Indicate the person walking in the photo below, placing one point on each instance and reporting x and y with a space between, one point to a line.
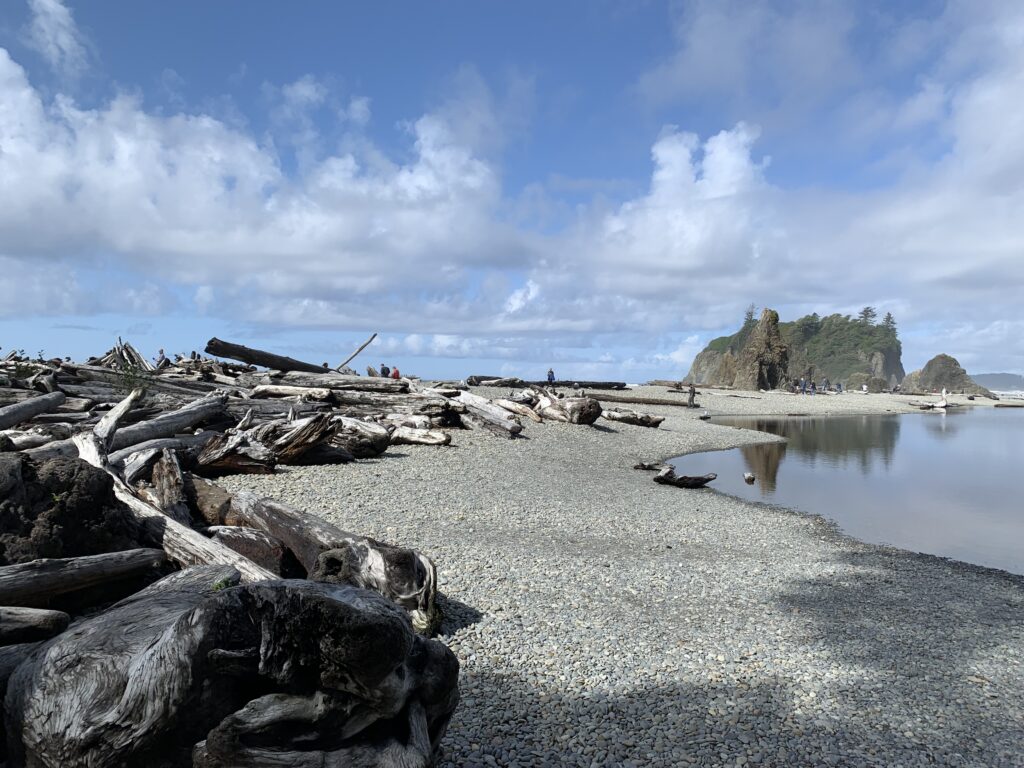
803 386
551 376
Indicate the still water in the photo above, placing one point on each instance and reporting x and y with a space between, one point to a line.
946 484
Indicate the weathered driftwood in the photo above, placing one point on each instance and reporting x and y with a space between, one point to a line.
209 501
520 409
402 575
284 390
195 672
195 442
412 436
668 476
260 547
258 357
573 410
37 582
24 625
488 415
649 466
633 417
16 413
352 357
362 439
171 423
169 488
228 454
630 400
300 437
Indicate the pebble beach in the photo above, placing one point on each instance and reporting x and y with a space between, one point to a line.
603 620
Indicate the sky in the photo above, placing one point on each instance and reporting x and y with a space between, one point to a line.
599 187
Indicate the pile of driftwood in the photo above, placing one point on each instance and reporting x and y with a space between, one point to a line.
149 617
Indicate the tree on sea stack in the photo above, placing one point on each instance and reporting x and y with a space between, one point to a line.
889 322
867 315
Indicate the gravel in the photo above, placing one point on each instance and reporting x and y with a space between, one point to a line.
601 619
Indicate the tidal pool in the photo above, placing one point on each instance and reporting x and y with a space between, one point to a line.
946 484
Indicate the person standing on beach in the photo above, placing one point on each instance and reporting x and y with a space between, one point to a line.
691 395
803 386
551 376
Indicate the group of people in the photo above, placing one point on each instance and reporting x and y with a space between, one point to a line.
389 373
807 386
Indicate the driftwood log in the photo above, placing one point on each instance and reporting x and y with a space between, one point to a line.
404 576
573 410
258 357
633 417
23 625
37 582
194 671
16 413
668 476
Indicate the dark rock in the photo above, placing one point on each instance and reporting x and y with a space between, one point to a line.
764 360
59 508
944 372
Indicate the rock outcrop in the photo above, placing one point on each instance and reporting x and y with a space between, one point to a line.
836 347
944 372
764 360
758 358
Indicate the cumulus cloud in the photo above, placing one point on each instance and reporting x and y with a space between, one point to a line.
421 239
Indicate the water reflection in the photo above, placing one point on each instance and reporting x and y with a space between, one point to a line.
900 480
865 440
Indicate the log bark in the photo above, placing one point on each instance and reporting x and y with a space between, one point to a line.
262 548
402 575
169 488
210 502
121 458
258 357
37 582
12 415
234 454
196 672
573 410
341 382
283 390
360 438
25 625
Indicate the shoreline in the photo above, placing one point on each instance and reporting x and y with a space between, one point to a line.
602 619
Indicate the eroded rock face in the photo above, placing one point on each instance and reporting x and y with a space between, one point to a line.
764 360
59 508
944 372
195 671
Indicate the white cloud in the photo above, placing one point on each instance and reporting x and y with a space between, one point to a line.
52 32
423 243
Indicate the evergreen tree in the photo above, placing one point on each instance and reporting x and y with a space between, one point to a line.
867 315
889 322
748 317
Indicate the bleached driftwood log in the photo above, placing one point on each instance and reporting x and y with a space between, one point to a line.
520 409
633 417
573 410
36 582
488 415
16 413
362 439
194 671
262 548
170 423
405 576
413 436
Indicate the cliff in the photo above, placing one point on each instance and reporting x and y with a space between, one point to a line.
836 347
756 358
944 372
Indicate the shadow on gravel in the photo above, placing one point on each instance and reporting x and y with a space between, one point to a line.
932 639
455 614
603 428
718 724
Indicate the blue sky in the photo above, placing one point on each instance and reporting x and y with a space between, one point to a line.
598 186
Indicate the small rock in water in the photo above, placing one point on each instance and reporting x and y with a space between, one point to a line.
749 478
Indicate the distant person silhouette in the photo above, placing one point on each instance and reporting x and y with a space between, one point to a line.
551 376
